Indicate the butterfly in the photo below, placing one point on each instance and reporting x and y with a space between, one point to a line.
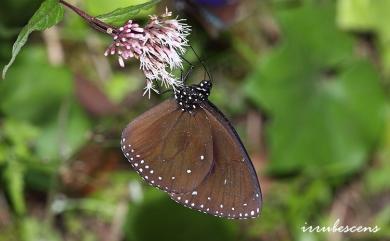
186 147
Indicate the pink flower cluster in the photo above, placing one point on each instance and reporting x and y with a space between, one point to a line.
158 46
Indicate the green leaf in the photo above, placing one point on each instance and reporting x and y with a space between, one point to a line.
18 136
376 178
326 106
121 15
32 229
48 14
62 138
14 178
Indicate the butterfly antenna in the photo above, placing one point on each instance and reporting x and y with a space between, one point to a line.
188 62
202 63
187 74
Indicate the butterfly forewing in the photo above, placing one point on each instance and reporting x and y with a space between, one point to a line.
169 148
231 189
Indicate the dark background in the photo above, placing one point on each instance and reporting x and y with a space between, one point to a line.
305 83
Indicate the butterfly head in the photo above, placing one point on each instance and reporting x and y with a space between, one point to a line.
188 98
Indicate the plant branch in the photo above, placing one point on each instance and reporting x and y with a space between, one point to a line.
92 21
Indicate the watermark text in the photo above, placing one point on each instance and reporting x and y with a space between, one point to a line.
337 228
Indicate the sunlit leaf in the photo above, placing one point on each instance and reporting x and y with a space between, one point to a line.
48 14
368 16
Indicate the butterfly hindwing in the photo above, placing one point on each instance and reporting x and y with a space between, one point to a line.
231 189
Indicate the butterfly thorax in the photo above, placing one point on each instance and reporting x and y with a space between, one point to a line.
188 98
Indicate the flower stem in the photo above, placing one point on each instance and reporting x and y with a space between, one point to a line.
92 21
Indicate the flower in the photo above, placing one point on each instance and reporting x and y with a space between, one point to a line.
127 42
158 46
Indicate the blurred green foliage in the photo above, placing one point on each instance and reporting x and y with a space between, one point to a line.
304 82
326 103
148 221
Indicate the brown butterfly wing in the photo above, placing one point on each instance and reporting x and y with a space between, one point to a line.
161 145
231 189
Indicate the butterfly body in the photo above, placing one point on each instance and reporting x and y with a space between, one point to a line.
189 98
188 148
